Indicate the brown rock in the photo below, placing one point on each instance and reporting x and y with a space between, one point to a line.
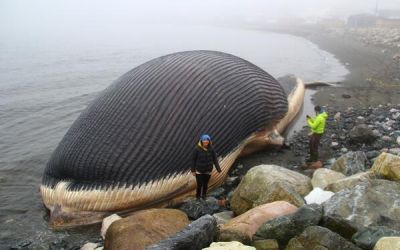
269 244
387 243
349 182
323 177
243 227
144 228
267 183
387 166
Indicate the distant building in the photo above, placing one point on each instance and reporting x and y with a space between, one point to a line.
390 14
388 19
361 21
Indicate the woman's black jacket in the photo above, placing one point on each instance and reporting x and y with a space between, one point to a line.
203 160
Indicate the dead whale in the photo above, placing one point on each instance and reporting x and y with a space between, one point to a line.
131 147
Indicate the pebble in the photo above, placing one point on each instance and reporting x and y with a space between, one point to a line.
344 150
386 138
395 151
334 144
398 140
372 154
376 133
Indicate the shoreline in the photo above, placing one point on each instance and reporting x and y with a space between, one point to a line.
365 84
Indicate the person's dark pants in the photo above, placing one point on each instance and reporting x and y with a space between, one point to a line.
202 184
314 144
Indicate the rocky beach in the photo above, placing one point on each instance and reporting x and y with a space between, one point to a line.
270 200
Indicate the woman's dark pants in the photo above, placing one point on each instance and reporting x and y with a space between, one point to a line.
314 144
202 184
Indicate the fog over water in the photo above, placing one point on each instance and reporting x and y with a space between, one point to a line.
55 57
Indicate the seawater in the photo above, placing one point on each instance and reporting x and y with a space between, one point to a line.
46 81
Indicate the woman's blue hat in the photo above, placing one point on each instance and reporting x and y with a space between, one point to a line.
205 137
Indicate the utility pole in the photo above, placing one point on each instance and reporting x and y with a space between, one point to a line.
376 7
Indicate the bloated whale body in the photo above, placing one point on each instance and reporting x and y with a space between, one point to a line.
132 146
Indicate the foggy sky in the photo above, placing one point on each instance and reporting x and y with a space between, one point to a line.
66 16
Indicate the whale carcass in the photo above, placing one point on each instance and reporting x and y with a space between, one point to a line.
131 147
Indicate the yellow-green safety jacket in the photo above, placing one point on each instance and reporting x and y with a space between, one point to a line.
317 125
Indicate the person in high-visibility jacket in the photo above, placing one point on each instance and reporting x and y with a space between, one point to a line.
317 126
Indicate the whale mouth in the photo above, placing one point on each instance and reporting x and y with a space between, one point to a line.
70 208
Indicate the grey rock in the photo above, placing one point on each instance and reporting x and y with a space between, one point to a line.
370 203
376 133
372 154
288 226
223 217
217 193
196 208
320 238
197 235
351 163
367 237
362 134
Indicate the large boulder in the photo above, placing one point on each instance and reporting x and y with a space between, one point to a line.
369 236
267 183
142 229
280 191
197 235
323 177
349 182
362 134
243 227
228 246
351 163
195 208
387 166
388 243
285 227
316 237
372 203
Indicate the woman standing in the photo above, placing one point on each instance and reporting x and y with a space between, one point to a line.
204 157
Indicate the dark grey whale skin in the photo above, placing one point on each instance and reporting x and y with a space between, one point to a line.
144 126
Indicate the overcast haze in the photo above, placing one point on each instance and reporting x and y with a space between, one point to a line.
30 18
